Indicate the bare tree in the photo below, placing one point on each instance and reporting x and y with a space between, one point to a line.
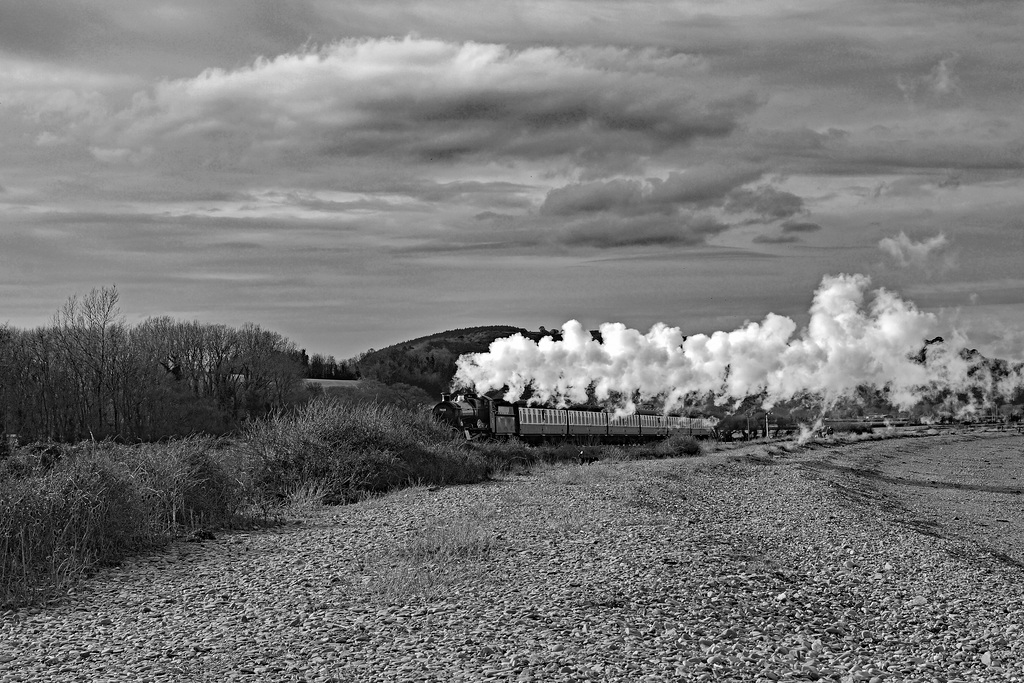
90 375
90 333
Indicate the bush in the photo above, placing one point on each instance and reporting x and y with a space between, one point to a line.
99 503
58 524
505 456
851 428
352 448
564 452
672 447
67 508
680 445
193 484
615 453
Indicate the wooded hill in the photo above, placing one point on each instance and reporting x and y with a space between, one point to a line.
429 362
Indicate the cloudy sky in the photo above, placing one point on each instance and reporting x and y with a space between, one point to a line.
356 174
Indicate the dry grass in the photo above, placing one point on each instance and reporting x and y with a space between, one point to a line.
577 475
304 500
66 509
432 560
644 497
95 504
463 538
348 449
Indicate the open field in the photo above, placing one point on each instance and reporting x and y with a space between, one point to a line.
893 560
333 383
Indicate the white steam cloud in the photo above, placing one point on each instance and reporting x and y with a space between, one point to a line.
906 252
852 340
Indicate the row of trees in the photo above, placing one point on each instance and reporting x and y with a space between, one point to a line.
431 369
319 366
91 375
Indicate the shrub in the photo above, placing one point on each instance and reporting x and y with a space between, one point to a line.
505 456
671 447
192 484
563 452
99 503
58 524
851 428
680 445
615 453
348 448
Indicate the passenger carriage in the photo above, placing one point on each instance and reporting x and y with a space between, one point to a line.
487 416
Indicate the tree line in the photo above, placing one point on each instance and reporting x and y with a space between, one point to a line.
319 366
89 375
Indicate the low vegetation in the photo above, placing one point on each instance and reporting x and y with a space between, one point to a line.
346 450
445 550
850 428
66 509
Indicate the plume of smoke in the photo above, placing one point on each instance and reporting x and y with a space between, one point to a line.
854 338
808 431
906 252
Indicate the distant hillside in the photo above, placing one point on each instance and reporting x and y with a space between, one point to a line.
429 362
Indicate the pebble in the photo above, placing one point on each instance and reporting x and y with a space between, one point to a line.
707 568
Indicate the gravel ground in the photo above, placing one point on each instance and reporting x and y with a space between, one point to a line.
967 488
750 565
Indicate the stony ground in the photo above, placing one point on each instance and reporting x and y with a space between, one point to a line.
758 564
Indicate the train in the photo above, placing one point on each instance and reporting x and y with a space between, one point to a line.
490 416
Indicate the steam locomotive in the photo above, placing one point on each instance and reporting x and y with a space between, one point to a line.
487 416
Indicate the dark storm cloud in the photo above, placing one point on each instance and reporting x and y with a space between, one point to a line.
503 195
593 220
994 146
674 210
613 195
699 187
1007 154
304 201
766 202
609 231
799 226
492 215
776 239
399 197
704 184
425 100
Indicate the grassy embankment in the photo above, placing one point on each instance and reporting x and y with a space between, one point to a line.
67 509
